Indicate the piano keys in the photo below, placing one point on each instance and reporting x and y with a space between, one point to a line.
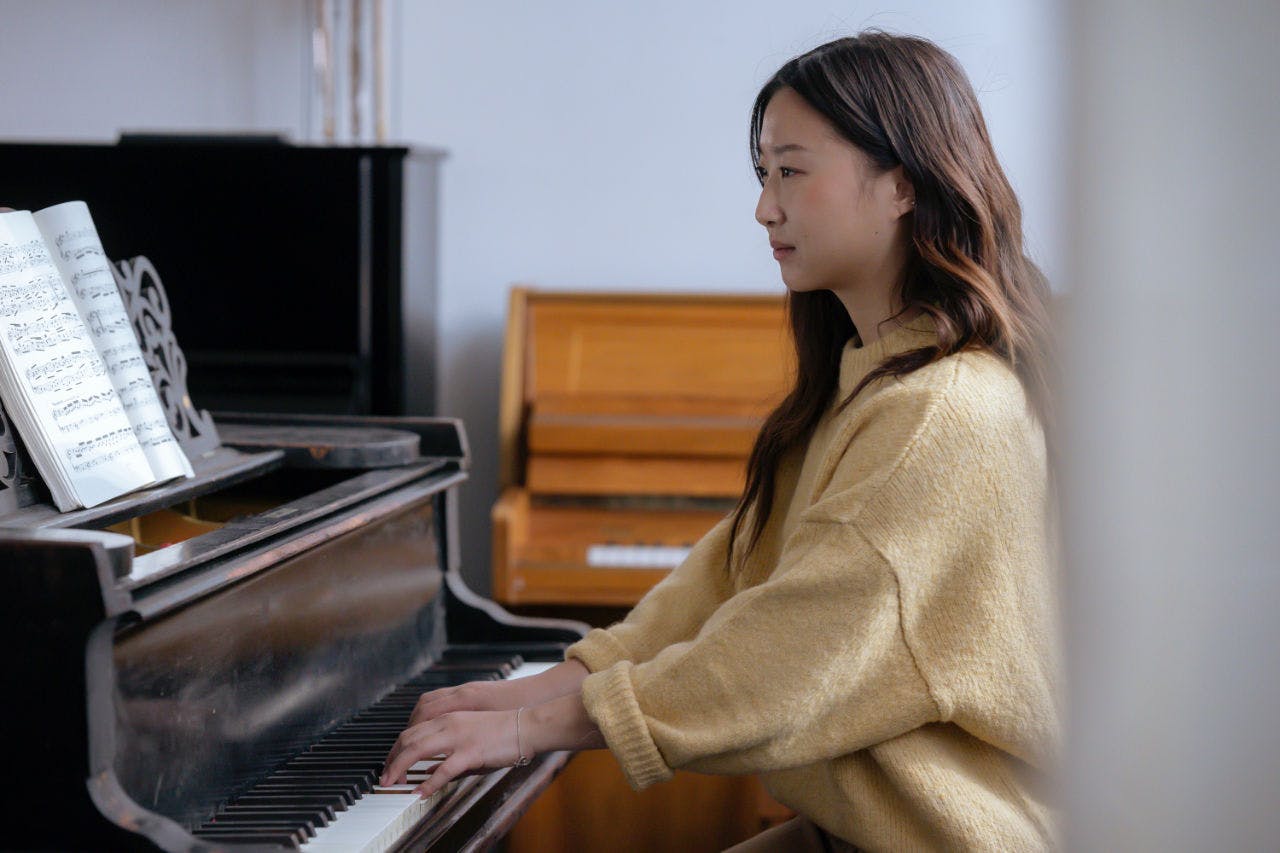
238 678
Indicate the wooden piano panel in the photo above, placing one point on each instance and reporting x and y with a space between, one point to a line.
664 348
541 557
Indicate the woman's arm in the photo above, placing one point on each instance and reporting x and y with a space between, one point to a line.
671 612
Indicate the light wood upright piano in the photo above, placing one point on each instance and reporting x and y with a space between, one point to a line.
626 421
625 425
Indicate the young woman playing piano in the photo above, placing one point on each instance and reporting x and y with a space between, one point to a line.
872 630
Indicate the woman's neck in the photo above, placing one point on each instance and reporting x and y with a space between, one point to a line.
869 315
874 299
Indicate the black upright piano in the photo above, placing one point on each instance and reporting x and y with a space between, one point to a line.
224 661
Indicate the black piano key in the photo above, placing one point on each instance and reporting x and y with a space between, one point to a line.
367 728
346 793
352 748
315 801
380 734
363 759
316 812
301 816
250 836
530 651
307 828
335 760
360 780
298 833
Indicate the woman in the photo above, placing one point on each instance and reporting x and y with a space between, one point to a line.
872 629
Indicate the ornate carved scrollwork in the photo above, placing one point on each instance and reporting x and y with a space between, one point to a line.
147 304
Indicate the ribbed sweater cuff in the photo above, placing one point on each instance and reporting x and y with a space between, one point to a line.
598 651
611 704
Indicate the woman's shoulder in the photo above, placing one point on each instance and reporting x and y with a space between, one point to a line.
927 431
973 387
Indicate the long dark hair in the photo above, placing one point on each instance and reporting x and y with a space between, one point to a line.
904 101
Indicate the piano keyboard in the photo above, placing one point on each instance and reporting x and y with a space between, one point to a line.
326 800
636 556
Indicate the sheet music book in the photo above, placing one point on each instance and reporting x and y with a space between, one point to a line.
72 375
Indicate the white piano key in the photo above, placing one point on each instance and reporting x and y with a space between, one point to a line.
375 822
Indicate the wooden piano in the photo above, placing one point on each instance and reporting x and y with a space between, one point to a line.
222 662
626 421
625 425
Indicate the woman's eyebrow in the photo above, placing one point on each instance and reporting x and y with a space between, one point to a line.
783 149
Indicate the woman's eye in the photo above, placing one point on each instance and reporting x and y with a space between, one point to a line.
763 174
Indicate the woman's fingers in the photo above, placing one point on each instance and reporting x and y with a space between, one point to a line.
429 706
445 772
413 745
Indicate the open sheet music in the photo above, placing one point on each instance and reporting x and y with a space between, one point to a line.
71 373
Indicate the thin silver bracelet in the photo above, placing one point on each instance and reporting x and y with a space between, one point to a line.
523 760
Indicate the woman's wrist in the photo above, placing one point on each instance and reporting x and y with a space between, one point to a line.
561 723
562 679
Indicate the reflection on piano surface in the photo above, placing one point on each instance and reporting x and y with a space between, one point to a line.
226 660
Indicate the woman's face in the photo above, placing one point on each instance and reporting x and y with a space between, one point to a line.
833 218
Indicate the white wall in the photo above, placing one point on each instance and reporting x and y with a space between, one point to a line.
592 144
83 70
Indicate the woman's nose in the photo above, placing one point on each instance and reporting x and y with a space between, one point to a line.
767 211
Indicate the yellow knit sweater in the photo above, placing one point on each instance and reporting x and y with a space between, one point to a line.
887 658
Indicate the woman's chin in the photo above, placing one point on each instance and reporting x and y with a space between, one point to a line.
798 284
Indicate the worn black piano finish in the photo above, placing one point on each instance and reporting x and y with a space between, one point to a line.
141 692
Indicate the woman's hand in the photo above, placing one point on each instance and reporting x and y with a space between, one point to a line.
476 741
561 679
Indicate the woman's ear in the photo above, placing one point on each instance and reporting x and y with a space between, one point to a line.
904 193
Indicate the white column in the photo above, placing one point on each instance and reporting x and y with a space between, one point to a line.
1173 506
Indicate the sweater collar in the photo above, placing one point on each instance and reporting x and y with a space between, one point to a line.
856 362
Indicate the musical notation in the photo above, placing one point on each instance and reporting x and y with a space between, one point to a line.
87 455
40 293
132 362
62 411
19 257
86 370
85 421
78 243
111 322
153 433
96 285
71 361
45 333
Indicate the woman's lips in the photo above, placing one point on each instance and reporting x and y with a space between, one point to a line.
782 252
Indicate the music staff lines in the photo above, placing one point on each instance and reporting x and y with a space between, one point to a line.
23 256
42 293
86 455
45 333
